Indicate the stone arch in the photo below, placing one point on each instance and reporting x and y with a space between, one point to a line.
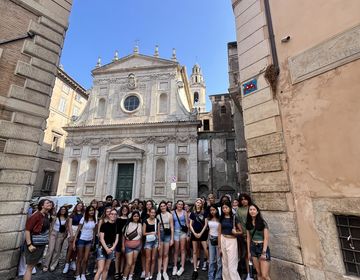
182 174
73 170
163 103
91 173
160 170
101 107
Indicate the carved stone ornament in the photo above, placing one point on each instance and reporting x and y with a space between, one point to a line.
131 81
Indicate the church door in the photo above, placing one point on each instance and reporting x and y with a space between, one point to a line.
124 183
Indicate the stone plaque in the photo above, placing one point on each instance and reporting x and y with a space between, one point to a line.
182 149
336 51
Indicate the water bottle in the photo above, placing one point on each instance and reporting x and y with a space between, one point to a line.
251 269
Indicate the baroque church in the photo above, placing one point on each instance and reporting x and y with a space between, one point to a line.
137 133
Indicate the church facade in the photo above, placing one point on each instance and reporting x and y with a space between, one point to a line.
137 134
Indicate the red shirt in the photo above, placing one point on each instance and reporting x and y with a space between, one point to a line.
35 223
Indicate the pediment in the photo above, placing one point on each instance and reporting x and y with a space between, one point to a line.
125 149
134 61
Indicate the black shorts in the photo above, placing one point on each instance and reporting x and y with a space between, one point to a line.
32 258
203 237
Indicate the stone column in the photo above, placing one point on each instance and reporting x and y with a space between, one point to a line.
28 67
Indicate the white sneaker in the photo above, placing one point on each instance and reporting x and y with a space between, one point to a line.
130 277
204 266
248 277
180 271
66 268
77 277
174 271
158 277
165 276
83 277
142 274
73 265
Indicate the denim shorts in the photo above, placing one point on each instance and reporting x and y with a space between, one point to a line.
130 250
83 243
256 250
151 244
179 234
164 238
102 255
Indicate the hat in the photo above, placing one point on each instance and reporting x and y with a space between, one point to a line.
68 206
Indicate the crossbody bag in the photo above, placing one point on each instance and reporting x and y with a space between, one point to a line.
184 228
167 231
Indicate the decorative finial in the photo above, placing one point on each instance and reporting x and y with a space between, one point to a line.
173 54
156 54
136 47
98 64
116 56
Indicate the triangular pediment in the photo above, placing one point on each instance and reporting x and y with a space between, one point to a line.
124 148
134 61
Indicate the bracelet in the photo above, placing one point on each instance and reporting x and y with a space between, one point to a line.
29 244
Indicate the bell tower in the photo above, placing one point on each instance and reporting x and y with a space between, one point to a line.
198 89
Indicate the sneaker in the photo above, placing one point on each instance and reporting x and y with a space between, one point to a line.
174 271
83 277
158 277
73 265
198 264
204 266
195 275
165 276
142 274
130 277
66 268
180 271
77 277
248 277
45 269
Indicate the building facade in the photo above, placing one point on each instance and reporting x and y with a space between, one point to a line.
299 80
137 134
32 35
68 100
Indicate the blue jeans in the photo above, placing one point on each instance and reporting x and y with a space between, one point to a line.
214 262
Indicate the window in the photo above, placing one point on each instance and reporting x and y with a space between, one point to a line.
73 170
182 170
76 111
163 103
349 235
230 149
218 98
131 103
101 108
65 88
196 97
55 144
160 170
62 104
223 110
91 174
206 125
48 180
78 97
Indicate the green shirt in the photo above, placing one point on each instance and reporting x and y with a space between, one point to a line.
259 234
242 216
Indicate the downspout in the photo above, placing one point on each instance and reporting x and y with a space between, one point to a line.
271 37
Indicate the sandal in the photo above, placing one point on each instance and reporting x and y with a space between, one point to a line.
117 276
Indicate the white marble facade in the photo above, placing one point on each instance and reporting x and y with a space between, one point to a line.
138 115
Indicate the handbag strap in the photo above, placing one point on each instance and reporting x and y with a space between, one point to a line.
162 223
135 230
177 217
252 235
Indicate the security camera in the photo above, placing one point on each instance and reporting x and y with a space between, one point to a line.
285 39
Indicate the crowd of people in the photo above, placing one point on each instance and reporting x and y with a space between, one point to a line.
222 238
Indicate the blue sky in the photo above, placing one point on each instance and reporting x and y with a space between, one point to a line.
198 29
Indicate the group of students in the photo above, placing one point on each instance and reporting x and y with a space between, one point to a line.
221 234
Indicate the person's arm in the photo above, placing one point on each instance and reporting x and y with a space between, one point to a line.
204 228
116 242
29 245
76 235
103 244
266 242
144 229
186 219
69 227
219 238
248 242
171 221
99 226
191 227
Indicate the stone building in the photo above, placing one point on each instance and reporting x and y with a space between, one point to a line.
31 38
299 68
68 100
137 133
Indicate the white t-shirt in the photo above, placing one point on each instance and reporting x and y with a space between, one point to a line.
87 231
57 224
213 228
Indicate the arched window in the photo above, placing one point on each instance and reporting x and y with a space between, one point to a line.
196 97
160 170
73 170
223 110
91 174
163 100
101 108
182 170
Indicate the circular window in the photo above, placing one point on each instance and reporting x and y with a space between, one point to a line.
131 103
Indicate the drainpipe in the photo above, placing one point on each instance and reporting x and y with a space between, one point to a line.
271 36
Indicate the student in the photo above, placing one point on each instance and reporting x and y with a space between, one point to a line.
151 233
230 228
245 201
181 225
199 234
36 236
108 237
215 264
119 257
73 224
144 215
258 242
166 239
115 204
131 243
86 233
58 234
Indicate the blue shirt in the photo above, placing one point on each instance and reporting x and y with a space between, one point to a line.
176 221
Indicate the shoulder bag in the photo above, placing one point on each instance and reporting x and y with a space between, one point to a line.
40 239
132 234
167 231
151 237
184 228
